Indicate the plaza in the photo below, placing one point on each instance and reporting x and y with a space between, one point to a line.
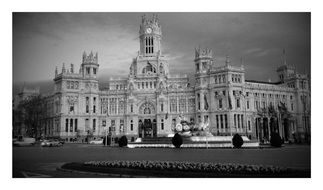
44 161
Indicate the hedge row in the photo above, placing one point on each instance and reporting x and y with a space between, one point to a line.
190 167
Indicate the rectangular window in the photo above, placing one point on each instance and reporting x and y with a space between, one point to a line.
71 125
88 70
221 118
235 120
249 125
198 102
66 125
247 104
220 103
131 108
226 120
242 124
112 127
71 109
75 125
94 71
223 92
292 106
162 107
238 117
217 121
87 104
162 124
238 103
94 125
131 125
94 104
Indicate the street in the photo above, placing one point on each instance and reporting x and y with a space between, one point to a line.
39 161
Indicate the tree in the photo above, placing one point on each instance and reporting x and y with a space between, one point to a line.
237 141
33 112
177 140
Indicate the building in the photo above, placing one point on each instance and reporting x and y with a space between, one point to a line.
149 100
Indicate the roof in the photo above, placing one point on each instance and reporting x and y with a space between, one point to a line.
263 82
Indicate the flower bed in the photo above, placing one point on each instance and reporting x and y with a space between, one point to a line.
183 169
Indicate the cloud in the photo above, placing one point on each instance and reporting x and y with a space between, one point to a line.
42 41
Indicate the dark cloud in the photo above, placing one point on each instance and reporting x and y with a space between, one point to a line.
42 41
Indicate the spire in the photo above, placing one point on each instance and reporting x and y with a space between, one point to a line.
143 18
72 68
227 60
56 72
63 68
284 57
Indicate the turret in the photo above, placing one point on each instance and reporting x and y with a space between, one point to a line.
150 36
90 66
285 71
203 60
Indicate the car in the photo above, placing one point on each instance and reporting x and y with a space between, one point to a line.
51 143
24 141
99 141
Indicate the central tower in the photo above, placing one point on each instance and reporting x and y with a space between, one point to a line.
150 36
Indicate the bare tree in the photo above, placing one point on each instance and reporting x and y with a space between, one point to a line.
33 112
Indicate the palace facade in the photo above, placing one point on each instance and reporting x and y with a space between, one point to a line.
149 100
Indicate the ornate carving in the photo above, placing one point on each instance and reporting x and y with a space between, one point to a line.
147 108
72 99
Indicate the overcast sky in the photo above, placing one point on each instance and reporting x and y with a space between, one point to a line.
42 41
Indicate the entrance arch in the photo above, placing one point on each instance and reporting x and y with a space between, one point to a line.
147 120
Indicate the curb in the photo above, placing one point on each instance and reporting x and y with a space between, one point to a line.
100 174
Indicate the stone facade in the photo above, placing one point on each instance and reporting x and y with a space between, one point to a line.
148 102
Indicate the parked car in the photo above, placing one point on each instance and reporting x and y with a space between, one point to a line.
98 141
51 143
24 141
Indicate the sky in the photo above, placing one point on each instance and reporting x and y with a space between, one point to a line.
43 41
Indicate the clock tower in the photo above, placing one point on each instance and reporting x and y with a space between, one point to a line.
150 36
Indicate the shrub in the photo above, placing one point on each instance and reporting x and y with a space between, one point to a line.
237 141
123 141
275 140
177 140
200 167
